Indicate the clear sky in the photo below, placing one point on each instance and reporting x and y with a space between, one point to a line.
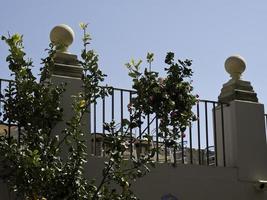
206 31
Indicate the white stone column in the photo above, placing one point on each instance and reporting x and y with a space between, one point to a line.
244 141
68 71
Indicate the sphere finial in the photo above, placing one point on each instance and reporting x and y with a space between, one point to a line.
62 37
235 66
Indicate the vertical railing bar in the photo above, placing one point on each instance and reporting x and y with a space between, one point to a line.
223 135
190 141
207 132
139 149
140 127
148 124
198 133
103 114
112 107
215 135
122 111
112 104
9 122
19 134
94 128
131 130
90 128
103 147
94 117
148 131
157 139
90 118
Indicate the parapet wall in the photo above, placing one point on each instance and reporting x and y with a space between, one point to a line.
188 182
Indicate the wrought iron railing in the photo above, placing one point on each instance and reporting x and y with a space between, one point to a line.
198 145
6 127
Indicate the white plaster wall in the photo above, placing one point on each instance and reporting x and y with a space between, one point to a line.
188 182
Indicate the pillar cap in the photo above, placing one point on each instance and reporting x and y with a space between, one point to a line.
62 37
235 65
236 89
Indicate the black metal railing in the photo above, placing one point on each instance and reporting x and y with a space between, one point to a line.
202 143
6 127
198 145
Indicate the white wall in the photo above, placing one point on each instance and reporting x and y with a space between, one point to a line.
188 182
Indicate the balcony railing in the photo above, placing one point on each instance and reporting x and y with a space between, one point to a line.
6 127
198 145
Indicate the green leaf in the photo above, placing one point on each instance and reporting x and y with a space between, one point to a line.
132 74
83 25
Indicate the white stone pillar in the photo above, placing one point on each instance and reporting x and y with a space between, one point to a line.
244 141
67 70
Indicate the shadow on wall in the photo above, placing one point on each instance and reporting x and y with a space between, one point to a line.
168 197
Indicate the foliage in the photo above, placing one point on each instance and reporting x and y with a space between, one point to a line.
170 98
33 164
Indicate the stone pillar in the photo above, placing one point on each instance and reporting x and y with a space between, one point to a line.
68 71
244 141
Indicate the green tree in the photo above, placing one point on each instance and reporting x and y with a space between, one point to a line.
32 165
169 98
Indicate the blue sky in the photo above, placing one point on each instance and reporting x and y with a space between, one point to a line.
206 31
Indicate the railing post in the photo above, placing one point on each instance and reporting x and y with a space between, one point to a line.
240 126
67 71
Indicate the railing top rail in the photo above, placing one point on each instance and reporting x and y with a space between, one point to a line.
134 91
119 89
211 101
6 80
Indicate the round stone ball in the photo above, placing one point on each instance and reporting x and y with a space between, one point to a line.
62 35
235 66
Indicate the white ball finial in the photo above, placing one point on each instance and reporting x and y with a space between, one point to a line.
235 66
62 37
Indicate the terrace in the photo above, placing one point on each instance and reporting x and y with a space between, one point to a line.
221 155
197 146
